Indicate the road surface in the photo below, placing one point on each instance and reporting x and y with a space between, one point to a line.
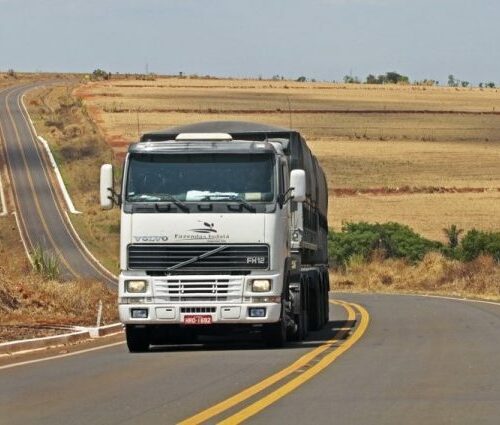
420 361
41 218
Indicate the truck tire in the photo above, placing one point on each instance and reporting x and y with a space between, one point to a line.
302 321
138 339
326 281
274 334
315 306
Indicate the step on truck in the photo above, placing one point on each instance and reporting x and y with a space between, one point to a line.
223 229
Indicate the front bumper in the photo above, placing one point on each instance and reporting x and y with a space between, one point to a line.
220 313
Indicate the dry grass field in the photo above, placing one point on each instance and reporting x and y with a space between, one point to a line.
80 150
435 274
413 139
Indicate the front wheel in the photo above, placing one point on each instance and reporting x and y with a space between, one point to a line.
274 334
138 339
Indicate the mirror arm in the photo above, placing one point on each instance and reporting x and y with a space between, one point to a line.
285 197
115 197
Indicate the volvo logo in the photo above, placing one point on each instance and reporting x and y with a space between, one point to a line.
151 238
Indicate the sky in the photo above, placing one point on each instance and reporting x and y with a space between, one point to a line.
321 39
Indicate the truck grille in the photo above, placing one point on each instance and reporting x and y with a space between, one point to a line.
199 257
198 290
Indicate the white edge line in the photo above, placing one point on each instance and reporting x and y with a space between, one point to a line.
74 353
443 297
104 269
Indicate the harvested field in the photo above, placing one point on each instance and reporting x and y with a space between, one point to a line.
424 156
395 164
427 214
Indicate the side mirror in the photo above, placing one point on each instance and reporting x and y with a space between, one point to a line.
298 184
106 187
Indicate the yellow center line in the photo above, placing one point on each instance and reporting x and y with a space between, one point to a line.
292 385
271 380
56 201
35 196
17 207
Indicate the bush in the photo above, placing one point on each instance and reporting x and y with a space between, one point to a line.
476 243
79 149
393 240
45 263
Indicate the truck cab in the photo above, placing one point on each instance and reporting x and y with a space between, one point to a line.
212 236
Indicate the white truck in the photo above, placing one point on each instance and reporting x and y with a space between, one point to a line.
223 228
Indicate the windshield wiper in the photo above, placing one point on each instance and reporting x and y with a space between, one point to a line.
174 200
242 202
159 197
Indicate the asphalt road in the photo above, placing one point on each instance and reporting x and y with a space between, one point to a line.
421 361
416 361
41 218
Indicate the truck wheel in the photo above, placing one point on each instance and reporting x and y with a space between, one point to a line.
138 339
274 334
315 308
326 279
302 326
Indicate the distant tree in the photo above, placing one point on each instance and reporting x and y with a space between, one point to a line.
371 79
490 85
464 83
349 79
100 74
395 78
480 85
387 78
452 82
11 73
302 79
276 77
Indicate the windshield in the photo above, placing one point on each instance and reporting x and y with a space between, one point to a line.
200 177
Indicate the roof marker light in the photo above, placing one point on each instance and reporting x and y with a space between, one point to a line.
204 137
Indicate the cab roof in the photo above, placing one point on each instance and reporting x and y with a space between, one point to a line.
239 130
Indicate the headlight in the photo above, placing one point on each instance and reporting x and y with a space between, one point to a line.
136 286
261 285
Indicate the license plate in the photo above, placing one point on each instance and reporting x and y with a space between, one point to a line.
197 319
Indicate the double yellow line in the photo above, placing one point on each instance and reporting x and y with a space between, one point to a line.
35 195
302 367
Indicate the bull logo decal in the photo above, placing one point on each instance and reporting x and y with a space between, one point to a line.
207 228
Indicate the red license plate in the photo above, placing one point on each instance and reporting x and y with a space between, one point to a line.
197 319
